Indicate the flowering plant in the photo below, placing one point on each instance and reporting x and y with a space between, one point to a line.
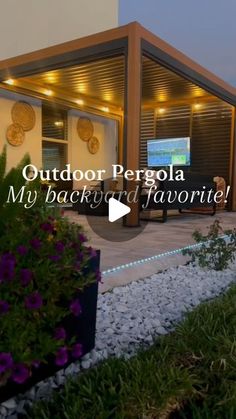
44 264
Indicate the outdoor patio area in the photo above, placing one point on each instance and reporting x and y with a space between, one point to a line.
156 239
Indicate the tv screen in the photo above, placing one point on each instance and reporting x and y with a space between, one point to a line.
167 151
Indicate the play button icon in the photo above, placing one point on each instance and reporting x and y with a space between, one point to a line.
116 210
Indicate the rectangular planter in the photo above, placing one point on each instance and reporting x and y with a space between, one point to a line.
82 327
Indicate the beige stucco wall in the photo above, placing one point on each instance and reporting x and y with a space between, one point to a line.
33 138
79 156
29 25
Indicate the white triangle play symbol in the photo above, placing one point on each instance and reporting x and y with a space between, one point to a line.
116 210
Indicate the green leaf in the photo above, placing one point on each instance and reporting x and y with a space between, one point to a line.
3 162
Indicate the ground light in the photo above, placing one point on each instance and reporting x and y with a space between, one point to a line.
155 257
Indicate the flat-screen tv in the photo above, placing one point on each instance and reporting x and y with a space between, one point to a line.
168 151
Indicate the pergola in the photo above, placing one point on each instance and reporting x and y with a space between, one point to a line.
133 75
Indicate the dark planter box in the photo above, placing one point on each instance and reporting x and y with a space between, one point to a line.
83 327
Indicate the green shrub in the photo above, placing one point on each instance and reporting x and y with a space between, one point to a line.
43 259
10 212
215 251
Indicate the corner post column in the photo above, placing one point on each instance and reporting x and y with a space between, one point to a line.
233 151
132 116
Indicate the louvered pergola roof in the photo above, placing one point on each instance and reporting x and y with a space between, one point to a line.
98 61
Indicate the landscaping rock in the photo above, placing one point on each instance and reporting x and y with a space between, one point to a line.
20 408
60 378
9 404
44 390
86 364
3 411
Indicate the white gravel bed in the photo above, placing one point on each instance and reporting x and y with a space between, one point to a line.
132 316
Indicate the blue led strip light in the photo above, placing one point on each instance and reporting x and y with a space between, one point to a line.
155 257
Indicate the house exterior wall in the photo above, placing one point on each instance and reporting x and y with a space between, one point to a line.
105 129
78 155
32 143
29 25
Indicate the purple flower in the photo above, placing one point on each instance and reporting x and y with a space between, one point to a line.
82 238
22 250
75 307
54 258
61 356
6 361
20 373
33 301
77 350
48 227
7 267
59 246
25 277
36 243
4 307
60 333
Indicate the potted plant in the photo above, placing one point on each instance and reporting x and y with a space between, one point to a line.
48 290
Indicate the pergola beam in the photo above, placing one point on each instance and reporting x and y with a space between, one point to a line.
233 163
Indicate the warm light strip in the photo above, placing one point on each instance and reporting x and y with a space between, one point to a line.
9 81
48 92
155 257
80 102
105 109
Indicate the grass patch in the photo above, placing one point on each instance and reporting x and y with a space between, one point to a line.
190 373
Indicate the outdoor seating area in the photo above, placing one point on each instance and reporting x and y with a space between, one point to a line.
181 195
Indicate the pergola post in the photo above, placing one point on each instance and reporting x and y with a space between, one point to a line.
233 152
132 116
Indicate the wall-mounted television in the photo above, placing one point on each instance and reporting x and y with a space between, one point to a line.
168 151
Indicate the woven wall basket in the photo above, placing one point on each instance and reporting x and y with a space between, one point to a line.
93 145
15 135
23 114
85 128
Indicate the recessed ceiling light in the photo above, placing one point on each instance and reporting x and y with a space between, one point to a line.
50 78
80 102
59 123
9 81
161 110
105 109
197 105
108 96
82 88
48 92
162 97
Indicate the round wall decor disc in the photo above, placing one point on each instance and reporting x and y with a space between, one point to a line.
93 145
85 128
15 135
23 114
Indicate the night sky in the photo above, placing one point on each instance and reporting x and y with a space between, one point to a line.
205 30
